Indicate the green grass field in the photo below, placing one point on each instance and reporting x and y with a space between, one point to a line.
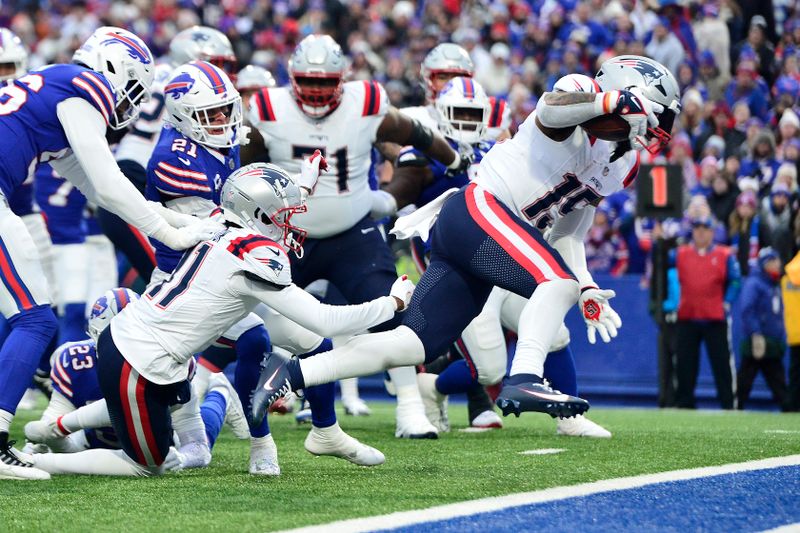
417 474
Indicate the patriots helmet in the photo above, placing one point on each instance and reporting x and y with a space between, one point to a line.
463 110
13 56
204 44
316 72
443 63
107 307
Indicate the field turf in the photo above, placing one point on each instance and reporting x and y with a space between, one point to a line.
417 474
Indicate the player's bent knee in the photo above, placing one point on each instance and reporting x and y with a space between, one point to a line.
491 372
38 321
566 287
562 339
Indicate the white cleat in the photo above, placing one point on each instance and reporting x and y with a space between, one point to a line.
580 426
434 401
195 455
335 442
412 422
264 457
488 420
234 414
356 407
17 465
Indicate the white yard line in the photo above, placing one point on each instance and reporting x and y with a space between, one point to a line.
483 505
790 528
543 451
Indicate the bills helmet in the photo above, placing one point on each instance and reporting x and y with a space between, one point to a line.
263 197
463 110
13 56
204 44
107 307
203 104
447 59
656 83
126 62
316 71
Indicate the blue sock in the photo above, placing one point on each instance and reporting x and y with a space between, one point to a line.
72 323
321 398
212 411
455 378
31 331
559 369
250 349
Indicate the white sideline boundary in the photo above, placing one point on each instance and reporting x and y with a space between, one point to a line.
496 503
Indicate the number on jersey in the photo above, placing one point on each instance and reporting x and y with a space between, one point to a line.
301 152
185 272
568 195
12 96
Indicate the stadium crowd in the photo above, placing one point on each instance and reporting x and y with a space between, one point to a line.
737 140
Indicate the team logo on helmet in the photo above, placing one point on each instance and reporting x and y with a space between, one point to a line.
135 50
180 85
99 307
651 74
200 36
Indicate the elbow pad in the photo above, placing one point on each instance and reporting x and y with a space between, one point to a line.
421 137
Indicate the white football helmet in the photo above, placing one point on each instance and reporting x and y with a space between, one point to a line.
446 58
576 83
264 197
204 44
126 62
253 77
463 110
203 104
656 83
316 70
12 54
107 307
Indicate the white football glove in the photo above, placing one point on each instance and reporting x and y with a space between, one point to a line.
638 111
310 169
402 289
598 314
189 235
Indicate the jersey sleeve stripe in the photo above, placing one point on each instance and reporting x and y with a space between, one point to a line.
634 172
371 100
495 116
105 91
182 173
264 105
182 185
243 245
83 84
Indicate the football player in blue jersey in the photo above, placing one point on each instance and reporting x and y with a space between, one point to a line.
60 114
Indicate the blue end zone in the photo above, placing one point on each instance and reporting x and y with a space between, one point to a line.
745 501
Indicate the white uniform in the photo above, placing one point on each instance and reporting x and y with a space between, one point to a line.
499 116
138 144
345 137
217 284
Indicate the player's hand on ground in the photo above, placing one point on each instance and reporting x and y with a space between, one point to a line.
310 169
638 111
402 289
598 314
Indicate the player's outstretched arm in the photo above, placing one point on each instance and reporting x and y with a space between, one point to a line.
94 171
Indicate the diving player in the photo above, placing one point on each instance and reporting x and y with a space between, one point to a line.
489 234
60 114
343 120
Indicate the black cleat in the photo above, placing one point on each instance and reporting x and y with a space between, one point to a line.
538 397
273 383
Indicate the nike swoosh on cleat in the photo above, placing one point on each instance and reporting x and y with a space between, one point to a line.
268 385
545 396
367 230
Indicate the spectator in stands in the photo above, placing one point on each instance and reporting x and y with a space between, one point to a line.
761 163
757 43
709 170
713 77
722 199
776 217
664 46
680 153
763 345
788 128
606 251
748 86
708 277
744 229
496 76
790 291
713 38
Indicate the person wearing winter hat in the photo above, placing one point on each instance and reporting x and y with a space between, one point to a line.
743 229
764 343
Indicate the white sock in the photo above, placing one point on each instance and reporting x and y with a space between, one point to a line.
187 422
261 442
200 380
5 421
364 355
92 462
539 323
91 416
349 388
405 383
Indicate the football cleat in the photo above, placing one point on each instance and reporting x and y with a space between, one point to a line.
580 426
540 398
283 406
355 407
487 420
194 455
16 465
412 423
335 442
234 413
435 402
264 457
303 416
273 383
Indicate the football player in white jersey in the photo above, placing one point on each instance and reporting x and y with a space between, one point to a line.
489 234
146 354
135 148
344 120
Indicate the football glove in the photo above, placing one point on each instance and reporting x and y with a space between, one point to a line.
638 112
759 345
598 314
459 165
310 169
189 235
402 289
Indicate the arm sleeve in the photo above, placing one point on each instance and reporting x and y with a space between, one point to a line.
568 115
567 237
94 171
325 320
670 305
